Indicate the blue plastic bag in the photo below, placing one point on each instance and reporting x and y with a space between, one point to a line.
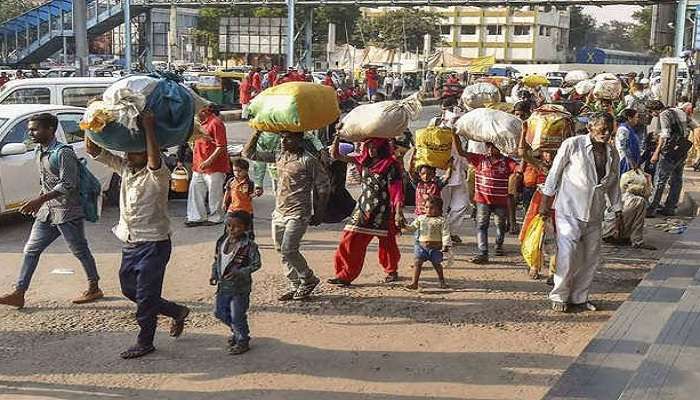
173 108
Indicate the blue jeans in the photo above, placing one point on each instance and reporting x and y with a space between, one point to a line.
43 234
671 172
483 219
141 278
232 310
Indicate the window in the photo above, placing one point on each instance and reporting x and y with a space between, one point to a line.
545 31
29 96
493 30
19 134
71 128
549 31
80 96
521 30
445 29
467 30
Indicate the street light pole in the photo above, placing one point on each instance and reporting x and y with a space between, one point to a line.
127 35
80 36
681 9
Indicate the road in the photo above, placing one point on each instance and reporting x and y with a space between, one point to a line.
238 132
490 336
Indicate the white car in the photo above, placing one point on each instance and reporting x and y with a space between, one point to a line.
19 175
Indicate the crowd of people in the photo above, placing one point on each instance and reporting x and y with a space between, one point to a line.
577 186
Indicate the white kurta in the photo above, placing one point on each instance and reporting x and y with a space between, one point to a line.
579 207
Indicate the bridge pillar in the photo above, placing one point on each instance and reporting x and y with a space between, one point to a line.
127 35
681 9
80 37
148 24
309 38
290 33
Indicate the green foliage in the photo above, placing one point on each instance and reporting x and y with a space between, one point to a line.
581 27
401 29
617 35
12 8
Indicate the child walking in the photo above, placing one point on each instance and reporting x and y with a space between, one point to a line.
493 171
235 259
427 183
240 191
433 240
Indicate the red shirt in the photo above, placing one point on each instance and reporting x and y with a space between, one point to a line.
257 83
492 178
272 78
328 81
426 190
245 91
371 77
204 147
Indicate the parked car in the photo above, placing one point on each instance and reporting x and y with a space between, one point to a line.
19 176
65 91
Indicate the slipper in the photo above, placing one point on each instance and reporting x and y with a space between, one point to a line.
177 325
136 351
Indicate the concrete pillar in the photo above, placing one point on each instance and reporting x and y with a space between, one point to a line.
290 33
127 35
80 35
172 35
309 38
680 27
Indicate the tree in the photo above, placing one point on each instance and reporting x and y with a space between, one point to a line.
402 29
640 32
581 28
12 8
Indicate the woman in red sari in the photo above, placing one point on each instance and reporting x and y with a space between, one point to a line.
378 212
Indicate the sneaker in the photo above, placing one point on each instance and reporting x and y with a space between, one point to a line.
231 341
392 277
480 259
239 348
305 291
92 294
14 299
559 306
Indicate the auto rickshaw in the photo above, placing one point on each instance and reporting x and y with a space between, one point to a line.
220 88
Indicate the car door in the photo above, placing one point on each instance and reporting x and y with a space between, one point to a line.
70 132
19 176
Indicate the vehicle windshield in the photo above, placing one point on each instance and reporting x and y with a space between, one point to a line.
555 82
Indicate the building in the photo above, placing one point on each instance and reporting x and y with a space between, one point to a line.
511 34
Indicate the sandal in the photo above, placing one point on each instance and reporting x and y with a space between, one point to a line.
559 306
534 274
338 282
480 259
136 351
587 306
177 325
392 277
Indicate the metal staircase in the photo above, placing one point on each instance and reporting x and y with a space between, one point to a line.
37 34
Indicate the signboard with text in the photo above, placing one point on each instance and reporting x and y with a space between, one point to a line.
252 35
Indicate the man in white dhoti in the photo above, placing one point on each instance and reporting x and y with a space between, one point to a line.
585 171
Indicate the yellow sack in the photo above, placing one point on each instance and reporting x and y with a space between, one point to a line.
533 242
433 147
294 107
548 127
505 107
535 80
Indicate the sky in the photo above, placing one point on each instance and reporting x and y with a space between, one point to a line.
611 13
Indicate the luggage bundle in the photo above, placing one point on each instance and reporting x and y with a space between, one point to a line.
584 87
294 107
548 127
487 125
480 94
113 124
434 147
533 81
575 76
386 119
607 87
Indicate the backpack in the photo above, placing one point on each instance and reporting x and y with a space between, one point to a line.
89 186
677 145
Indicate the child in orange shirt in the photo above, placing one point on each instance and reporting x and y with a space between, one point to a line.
240 191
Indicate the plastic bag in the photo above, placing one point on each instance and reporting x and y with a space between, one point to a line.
480 94
294 107
533 242
584 87
386 119
575 76
607 89
548 127
486 125
533 81
433 147
173 109
126 98
636 182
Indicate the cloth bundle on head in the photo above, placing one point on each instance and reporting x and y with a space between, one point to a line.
480 94
584 87
575 76
607 89
487 125
533 81
386 119
434 147
113 122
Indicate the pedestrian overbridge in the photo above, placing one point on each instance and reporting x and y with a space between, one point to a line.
42 31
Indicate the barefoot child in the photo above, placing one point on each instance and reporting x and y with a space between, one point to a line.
433 239
240 191
235 259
